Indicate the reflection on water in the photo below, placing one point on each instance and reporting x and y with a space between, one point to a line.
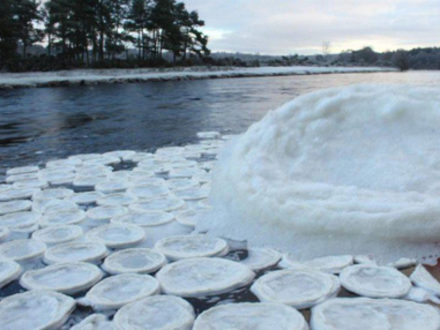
37 124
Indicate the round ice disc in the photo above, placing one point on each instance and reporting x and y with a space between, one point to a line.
155 312
330 264
58 234
31 184
75 251
15 206
116 199
87 197
12 192
117 235
104 213
261 316
88 180
375 281
22 177
111 186
72 217
21 170
191 246
203 276
19 219
9 271
35 309
161 204
177 184
153 218
187 217
297 288
423 279
66 278
135 260
403 263
119 290
22 249
94 322
192 193
54 206
261 258
53 193
148 192
374 314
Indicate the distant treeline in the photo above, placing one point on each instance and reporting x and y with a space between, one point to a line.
98 33
417 59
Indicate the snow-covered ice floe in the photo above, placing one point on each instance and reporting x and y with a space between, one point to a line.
248 316
203 277
35 309
66 278
74 77
296 288
344 170
135 260
119 290
374 314
156 312
375 281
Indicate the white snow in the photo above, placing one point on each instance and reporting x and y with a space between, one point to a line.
375 281
251 316
203 276
332 173
374 314
31 79
35 310
296 288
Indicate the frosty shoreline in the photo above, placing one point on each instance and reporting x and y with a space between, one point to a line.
80 77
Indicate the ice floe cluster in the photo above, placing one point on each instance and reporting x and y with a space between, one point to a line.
108 241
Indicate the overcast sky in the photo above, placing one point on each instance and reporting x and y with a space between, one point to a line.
301 26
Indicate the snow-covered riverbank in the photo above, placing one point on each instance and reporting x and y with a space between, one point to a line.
75 77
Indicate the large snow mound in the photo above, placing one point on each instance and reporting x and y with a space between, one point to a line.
352 170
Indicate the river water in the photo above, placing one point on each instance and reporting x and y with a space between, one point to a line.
37 124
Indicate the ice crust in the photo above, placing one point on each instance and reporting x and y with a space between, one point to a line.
352 170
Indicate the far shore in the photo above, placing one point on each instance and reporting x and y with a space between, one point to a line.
95 76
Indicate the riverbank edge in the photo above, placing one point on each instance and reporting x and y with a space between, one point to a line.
8 81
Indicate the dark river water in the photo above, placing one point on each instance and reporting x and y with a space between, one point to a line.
37 124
